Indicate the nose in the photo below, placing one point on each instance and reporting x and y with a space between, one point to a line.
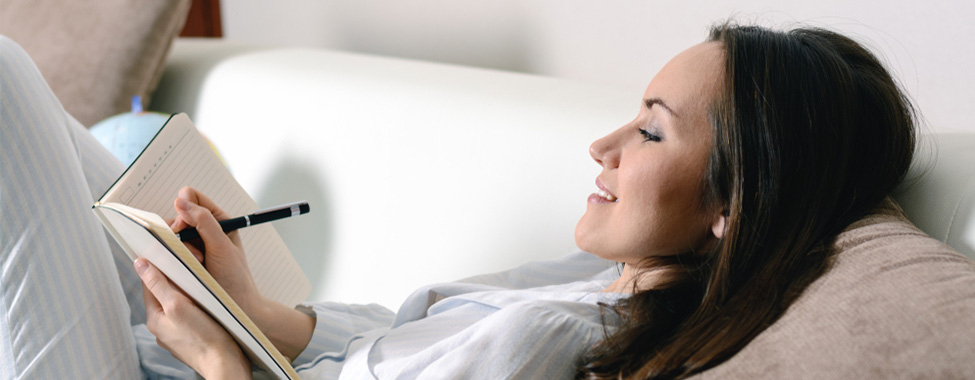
606 151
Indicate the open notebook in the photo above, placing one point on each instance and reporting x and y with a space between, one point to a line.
133 210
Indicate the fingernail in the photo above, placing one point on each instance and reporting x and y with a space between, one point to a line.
182 204
141 265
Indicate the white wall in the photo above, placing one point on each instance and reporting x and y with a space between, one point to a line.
929 45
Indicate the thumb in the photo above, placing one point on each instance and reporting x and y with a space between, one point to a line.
152 304
157 290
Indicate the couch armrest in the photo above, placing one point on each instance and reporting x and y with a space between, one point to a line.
938 194
416 172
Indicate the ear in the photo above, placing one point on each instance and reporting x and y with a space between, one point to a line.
718 227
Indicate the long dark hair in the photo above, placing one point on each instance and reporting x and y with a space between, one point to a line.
810 133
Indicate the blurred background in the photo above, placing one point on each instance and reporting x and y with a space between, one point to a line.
928 45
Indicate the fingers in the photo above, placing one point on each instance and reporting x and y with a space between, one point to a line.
206 224
195 209
152 304
156 289
197 252
185 330
195 196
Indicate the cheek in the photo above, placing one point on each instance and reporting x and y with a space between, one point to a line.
666 216
659 211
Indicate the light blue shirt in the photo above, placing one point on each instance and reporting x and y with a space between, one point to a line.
532 322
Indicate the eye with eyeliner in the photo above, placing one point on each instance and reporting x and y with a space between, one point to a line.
648 136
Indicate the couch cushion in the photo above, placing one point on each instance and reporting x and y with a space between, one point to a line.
896 304
939 192
96 54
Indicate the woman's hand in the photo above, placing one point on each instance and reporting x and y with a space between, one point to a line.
223 256
191 335
221 253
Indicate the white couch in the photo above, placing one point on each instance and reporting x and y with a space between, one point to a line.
420 172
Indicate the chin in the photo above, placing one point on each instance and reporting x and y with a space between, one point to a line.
591 236
597 238
580 236
586 241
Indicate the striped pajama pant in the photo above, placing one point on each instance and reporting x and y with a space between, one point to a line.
69 297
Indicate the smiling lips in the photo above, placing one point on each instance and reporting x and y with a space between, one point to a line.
608 196
603 195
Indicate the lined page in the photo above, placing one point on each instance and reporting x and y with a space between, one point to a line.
180 156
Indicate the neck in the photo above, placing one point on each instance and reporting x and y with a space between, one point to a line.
634 279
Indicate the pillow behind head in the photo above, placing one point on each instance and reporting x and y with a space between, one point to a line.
896 304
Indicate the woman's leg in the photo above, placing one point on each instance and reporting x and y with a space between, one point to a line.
101 169
63 312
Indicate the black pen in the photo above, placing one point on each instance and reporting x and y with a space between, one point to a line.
258 217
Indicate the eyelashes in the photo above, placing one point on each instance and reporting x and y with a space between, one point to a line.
647 136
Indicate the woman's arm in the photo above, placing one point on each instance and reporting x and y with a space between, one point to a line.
289 329
223 256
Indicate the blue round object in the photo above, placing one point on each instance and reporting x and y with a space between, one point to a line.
127 134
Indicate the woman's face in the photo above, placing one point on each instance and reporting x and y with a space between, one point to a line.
650 189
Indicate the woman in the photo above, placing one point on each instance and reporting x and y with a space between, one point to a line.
749 154
809 133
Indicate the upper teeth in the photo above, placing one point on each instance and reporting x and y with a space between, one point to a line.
608 196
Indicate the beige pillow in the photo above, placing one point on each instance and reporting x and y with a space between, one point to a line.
896 304
96 54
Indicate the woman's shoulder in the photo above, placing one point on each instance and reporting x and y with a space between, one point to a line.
540 322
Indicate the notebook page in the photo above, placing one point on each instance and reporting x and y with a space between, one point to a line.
180 156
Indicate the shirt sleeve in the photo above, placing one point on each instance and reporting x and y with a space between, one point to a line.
336 324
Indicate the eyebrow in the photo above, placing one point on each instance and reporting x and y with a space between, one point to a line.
649 102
